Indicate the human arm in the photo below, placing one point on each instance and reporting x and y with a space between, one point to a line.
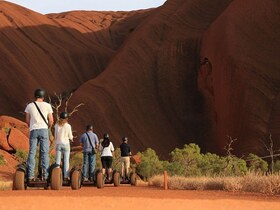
27 118
70 134
50 120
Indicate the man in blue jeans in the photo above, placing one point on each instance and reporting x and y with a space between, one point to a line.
38 125
89 141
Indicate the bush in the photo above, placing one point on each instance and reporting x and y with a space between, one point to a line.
186 161
277 166
2 160
211 164
76 160
117 160
21 155
234 166
150 164
257 164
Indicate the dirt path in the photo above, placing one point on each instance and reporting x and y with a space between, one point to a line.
136 198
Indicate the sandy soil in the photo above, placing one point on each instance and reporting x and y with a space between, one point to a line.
136 198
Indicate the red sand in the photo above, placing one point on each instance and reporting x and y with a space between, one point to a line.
138 198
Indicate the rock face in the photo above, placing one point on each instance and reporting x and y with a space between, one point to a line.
58 51
199 71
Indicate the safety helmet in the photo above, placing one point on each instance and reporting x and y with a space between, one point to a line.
89 127
125 139
106 136
63 115
39 93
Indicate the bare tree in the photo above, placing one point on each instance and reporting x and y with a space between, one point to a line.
228 146
270 149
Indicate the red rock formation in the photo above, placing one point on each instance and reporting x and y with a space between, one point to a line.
4 142
10 122
58 52
18 140
140 74
242 46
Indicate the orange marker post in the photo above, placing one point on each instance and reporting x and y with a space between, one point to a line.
165 180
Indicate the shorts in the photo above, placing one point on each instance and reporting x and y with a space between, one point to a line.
107 161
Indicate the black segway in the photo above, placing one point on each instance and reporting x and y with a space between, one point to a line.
130 179
21 181
57 175
97 180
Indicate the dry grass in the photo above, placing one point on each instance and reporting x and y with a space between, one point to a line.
6 185
269 184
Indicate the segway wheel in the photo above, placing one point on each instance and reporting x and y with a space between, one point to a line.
76 180
19 180
133 179
116 179
56 179
99 180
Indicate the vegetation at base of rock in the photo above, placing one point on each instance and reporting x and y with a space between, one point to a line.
2 160
251 182
190 162
21 155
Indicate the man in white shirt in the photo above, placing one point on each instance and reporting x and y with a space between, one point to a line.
38 124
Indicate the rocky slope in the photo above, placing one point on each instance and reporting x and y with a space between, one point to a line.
190 71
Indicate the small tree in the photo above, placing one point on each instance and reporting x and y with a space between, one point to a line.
211 164
150 164
270 149
256 164
186 161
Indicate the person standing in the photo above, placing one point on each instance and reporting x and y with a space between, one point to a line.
107 149
39 117
63 135
125 158
90 142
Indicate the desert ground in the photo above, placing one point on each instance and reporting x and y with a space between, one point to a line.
136 198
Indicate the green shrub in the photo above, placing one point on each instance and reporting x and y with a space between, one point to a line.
234 166
256 164
2 160
21 155
76 160
211 164
117 160
186 161
150 164
277 166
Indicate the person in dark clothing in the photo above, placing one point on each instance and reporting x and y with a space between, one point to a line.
125 158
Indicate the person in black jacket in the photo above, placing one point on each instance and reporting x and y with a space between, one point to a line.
125 158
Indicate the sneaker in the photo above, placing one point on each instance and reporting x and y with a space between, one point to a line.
91 179
85 179
66 179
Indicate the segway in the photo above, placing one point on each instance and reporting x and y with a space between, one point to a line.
116 178
57 174
21 181
97 180
131 179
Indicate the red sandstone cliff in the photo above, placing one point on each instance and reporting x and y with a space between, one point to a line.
144 74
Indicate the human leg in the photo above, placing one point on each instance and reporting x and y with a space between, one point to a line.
66 154
85 166
58 154
122 167
44 149
109 161
103 162
127 166
33 142
92 165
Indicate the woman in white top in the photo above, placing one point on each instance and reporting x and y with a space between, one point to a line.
107 149
63 135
